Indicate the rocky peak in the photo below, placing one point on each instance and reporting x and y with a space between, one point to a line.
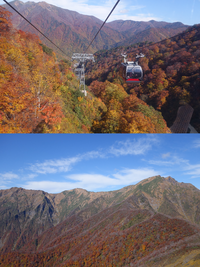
171 180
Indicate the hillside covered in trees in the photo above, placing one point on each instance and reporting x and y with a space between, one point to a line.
153 223
39 94
73 32
171 73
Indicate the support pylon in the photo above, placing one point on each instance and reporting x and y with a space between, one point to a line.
79 68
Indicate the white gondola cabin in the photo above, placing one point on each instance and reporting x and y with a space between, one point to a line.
131 71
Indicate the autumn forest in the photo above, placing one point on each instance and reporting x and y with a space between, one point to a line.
171 75
153 223
39 93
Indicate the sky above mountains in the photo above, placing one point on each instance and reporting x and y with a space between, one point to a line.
96 162
185 11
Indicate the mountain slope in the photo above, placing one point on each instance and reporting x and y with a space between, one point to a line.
171 73
49 93
73 32
38 93
150 35
28 214
70 30
138 26
117 236
119 227
151 31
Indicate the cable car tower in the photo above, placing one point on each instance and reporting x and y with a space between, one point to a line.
79 68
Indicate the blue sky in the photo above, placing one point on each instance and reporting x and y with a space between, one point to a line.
96 162
185 11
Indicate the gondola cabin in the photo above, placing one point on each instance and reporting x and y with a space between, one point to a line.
131 71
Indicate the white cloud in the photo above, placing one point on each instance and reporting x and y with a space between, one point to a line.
124 11
28 176
101 9
7 179
93 155
196 144
129 176
63 165
138 17
182 164
8 176
31 176
89 181
54 166
47 186
166 155
161 162
173 161
2 187
133 147
93 182
128 147
193 170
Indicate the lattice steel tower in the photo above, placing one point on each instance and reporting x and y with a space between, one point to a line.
79 68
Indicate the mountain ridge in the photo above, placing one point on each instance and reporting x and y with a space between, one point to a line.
73 31
37 223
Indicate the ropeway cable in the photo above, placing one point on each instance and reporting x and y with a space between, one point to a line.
34 27
96 33
102 25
